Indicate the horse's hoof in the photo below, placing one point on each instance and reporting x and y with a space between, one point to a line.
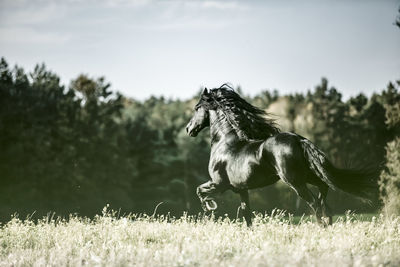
211 204
325 221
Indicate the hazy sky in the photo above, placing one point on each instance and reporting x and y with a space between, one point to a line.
172 47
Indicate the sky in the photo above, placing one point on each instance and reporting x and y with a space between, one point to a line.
174 47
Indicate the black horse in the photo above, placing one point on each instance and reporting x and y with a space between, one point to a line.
249 151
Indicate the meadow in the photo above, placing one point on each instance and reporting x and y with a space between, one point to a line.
142 240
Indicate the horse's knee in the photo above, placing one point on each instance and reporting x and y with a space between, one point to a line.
203 189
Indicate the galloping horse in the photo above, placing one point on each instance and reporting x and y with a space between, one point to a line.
249 151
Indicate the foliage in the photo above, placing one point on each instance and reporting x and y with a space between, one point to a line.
390 178
59 151
274 240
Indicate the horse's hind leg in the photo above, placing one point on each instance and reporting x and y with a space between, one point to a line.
312 201
292 168
245 206
326 213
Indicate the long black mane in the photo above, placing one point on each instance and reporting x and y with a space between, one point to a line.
250 122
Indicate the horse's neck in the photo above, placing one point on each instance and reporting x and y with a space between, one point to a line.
220 128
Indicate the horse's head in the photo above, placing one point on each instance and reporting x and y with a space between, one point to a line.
201 118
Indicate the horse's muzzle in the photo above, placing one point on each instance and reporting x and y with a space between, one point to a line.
192 131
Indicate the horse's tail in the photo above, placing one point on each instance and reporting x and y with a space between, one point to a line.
359 182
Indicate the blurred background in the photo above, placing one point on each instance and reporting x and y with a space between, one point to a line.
70 142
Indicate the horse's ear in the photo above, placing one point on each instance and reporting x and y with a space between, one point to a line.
205 91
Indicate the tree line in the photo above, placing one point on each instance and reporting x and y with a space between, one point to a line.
75 149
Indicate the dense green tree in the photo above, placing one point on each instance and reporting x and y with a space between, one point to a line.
329 114
390 177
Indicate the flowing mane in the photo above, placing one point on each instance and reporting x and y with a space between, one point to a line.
250 122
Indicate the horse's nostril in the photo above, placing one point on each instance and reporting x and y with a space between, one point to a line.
187 129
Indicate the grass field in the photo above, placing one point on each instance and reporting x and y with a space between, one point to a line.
274 240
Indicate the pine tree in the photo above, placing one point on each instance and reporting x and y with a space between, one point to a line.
390 177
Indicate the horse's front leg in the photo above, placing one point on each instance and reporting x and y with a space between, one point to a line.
205 193
245 206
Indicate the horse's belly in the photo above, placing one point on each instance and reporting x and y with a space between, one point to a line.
247 174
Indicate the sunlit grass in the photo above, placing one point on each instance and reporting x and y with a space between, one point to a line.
276 240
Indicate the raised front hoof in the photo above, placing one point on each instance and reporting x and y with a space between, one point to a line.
209 205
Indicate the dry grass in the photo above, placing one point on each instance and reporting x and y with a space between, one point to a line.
187 241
